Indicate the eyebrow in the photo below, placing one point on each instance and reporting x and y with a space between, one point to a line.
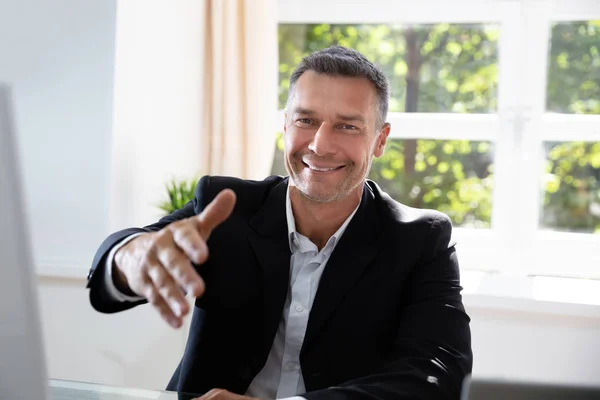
350 118
347 118
303 111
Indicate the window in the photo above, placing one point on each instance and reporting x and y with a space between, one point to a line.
571 188
495 113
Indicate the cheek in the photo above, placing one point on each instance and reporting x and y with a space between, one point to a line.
361 152
294 141
289 142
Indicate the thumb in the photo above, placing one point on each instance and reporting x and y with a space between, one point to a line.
216 212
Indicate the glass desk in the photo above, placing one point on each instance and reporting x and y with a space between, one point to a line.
70 390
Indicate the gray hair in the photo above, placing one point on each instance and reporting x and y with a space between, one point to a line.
341 61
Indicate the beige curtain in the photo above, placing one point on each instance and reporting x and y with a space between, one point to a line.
240 88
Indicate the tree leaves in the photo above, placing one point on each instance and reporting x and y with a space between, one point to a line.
448 52
571 186
574 68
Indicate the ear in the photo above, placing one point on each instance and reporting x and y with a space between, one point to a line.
382 139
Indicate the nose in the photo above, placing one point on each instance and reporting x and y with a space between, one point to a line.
323 141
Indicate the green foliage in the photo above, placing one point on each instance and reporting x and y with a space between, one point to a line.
454 68
571 183
452 176
574 68
179 193
571 198
457 64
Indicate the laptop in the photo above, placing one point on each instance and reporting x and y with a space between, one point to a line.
499 389
22 358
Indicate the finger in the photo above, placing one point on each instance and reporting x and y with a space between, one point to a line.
180 268
153 296
216 212
168 289
191 243
214 394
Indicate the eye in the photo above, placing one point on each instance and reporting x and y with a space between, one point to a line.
347 127
304 121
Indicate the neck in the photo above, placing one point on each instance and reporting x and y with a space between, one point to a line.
319 221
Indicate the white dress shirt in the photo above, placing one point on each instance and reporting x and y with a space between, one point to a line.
281 376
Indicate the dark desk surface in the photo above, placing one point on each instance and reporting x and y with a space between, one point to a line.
70 390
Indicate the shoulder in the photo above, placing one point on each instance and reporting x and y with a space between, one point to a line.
250 194
431 227
398 213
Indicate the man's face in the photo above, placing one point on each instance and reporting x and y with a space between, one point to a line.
331 135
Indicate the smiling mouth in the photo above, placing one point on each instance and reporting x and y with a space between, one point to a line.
313 168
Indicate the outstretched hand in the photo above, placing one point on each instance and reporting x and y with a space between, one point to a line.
158 265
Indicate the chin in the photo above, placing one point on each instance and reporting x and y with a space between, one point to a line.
320 194
321 197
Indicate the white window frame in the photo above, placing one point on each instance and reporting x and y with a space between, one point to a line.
514 245
553 253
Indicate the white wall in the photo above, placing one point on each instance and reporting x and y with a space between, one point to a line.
133 349
158 104
546 346
92 165
58 57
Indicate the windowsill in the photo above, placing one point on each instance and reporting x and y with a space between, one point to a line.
539 295
60 271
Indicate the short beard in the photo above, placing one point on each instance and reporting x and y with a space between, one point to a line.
339 192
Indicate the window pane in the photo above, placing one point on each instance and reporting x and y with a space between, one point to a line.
571 189
452 176
432 68
574 68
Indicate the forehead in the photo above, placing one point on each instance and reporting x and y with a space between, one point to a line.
326 93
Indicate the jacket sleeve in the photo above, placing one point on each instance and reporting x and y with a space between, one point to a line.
100 298
432 349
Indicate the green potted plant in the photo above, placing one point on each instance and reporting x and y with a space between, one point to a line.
179 193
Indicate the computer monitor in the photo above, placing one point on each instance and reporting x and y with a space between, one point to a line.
501 389
22 357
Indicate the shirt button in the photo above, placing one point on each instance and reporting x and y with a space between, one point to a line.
299 308
290 366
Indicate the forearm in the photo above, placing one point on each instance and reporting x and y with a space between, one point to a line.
115 280
422 371
104 296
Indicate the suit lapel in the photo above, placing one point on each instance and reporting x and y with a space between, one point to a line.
350 259
352 255
270 244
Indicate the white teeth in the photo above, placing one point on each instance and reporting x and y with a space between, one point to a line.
321 169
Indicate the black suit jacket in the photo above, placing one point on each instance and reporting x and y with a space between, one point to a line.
387 321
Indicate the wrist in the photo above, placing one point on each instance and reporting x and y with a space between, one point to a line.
118 276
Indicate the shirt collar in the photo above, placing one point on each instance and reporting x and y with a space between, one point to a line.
291 224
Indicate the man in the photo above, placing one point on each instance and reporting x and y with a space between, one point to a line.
318 284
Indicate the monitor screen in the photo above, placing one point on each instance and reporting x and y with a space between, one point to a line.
22 359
